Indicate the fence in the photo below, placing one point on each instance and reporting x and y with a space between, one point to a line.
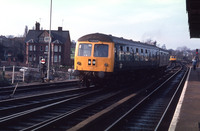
16 74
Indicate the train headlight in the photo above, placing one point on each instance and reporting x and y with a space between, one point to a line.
106 64
93 62
89 61
79 63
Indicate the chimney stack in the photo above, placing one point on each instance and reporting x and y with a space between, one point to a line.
37 25
59 28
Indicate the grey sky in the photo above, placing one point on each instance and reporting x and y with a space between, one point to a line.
162 20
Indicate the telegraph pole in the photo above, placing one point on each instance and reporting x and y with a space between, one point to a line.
49 48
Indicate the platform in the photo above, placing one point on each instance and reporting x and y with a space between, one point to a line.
187 114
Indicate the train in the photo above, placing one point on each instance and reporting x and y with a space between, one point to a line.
172 58
100 56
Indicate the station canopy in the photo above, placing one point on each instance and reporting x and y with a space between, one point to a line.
193 9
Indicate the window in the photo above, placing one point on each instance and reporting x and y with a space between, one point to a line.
34 57
41 48
34 47
136 50
121 48
30 58
136 55
30 48
127 48
59 58
84 49
41 39
141 50
101 50
60 47
46 48
55 48
55 58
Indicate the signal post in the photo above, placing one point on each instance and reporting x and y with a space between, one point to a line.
43 69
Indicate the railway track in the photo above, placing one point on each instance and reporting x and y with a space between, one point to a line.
111 117
43 112
97 109
11 106
55 109
154 111
5 92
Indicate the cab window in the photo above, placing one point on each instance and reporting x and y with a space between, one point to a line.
85 50
100 50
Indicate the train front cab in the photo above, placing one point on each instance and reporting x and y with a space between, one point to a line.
172 60
94 59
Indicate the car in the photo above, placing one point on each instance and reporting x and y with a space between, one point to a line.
23 69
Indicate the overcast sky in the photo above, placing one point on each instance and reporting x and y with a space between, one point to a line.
165 21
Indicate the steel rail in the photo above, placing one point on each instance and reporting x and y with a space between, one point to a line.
173 97
5 91
27 102
139 103
100 115
20 114
44 124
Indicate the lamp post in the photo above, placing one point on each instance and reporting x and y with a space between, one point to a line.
49 48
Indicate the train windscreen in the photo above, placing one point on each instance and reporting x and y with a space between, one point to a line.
85 50
100 50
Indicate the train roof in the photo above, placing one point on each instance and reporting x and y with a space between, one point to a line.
96 37
109 38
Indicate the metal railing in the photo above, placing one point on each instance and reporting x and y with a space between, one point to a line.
16 74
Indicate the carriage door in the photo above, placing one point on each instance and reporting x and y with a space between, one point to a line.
158 57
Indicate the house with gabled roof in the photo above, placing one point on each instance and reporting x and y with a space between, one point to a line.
37 46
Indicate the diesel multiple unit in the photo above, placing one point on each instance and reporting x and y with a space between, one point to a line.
101 56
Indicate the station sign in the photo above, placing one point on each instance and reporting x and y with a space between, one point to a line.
47 39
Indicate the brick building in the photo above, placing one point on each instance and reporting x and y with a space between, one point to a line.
11 49
37 47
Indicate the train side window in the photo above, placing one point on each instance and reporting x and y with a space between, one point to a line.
132 50
127 48
137 54
121 48
146 55
142 55
121 53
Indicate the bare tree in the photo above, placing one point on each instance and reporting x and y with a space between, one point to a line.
151 42
183 48
184 53
10 36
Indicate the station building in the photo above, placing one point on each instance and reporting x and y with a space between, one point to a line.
36 47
